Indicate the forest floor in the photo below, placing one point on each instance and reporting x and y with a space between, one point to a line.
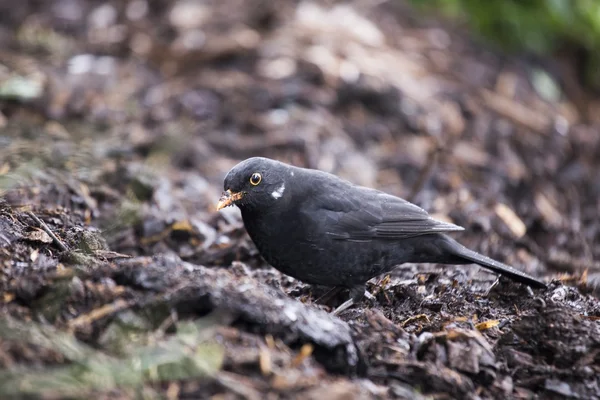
118 278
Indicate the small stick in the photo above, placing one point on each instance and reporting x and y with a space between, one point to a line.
99 313
45 227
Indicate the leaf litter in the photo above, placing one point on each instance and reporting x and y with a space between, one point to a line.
117 130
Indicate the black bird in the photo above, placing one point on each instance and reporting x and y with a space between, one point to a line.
323 230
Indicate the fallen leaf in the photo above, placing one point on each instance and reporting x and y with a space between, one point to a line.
38 236
482 326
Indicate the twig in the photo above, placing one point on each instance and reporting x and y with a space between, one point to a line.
166 324
99 313
46 229
331 293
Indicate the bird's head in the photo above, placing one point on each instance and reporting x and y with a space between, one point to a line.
256 183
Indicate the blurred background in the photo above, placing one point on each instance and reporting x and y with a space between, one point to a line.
485 114
125 116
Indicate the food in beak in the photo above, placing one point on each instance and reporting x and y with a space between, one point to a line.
228 198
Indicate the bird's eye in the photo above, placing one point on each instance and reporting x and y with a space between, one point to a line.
255 178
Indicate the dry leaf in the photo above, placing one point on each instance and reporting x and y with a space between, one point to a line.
38 236
482 326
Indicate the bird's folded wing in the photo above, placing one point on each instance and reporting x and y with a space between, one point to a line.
368 214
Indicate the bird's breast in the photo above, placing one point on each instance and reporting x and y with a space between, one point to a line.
270 233
283 240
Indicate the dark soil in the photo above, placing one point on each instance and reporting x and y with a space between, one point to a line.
119 279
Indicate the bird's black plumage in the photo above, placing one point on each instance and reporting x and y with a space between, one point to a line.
323 230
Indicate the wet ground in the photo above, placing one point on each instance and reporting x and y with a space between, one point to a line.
119 279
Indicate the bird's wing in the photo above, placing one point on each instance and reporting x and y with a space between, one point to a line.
363 214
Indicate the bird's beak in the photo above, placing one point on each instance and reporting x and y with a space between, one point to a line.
228 198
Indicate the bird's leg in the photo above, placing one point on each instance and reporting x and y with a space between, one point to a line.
324 299
369 295
492 286
356 295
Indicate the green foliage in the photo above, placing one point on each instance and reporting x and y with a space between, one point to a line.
538 26
189 353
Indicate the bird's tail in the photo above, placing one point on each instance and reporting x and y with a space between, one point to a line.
469 256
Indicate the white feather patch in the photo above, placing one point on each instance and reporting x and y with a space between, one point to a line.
277 193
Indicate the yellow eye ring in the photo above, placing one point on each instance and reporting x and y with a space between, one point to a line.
255 179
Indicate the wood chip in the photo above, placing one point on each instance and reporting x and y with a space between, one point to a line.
516 112
270 341
173 391
4 169
470 154
305 351
264 361
461 333
550 214
584 278
506 84
511 219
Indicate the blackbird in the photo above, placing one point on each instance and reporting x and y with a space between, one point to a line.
324 230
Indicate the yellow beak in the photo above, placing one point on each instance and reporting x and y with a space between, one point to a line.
228 198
